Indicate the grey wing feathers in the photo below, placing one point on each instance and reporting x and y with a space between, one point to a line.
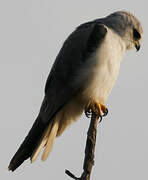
68 62
75 51
59 87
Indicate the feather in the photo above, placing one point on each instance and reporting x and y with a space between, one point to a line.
41 144
51 139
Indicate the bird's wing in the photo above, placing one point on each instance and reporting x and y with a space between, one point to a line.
59 86
70 60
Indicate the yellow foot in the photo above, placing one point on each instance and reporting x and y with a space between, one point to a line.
99 109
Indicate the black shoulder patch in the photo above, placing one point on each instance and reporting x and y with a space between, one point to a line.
96 37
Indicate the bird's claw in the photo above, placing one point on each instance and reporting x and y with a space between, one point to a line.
105 112
88 113
99 109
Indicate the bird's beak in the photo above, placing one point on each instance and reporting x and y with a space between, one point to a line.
137 45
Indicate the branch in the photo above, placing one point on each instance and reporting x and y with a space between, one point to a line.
89 150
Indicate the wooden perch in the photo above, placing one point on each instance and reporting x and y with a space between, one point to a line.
89 150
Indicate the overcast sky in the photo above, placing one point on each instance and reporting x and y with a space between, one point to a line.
31 35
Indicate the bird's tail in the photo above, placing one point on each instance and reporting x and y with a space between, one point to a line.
47 141
29 144
39 136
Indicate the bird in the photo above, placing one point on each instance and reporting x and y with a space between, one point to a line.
81 79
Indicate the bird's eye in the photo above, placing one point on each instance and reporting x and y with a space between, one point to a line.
136 34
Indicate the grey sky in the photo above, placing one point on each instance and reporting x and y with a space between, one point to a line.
31 35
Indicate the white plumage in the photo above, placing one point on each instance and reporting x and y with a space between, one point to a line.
106 68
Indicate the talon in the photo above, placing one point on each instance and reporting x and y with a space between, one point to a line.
105 113
100 119
88 112
99 109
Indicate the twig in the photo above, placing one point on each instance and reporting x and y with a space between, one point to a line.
89 150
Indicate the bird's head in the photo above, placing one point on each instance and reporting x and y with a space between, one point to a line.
127 26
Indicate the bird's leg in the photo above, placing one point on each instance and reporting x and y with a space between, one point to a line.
99 109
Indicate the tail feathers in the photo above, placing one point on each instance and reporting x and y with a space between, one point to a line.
41 135
47 141
50 140
41 145
29 144
38 150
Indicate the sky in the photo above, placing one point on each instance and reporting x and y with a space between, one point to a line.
31 35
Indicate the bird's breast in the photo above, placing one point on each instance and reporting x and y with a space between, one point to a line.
103 73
